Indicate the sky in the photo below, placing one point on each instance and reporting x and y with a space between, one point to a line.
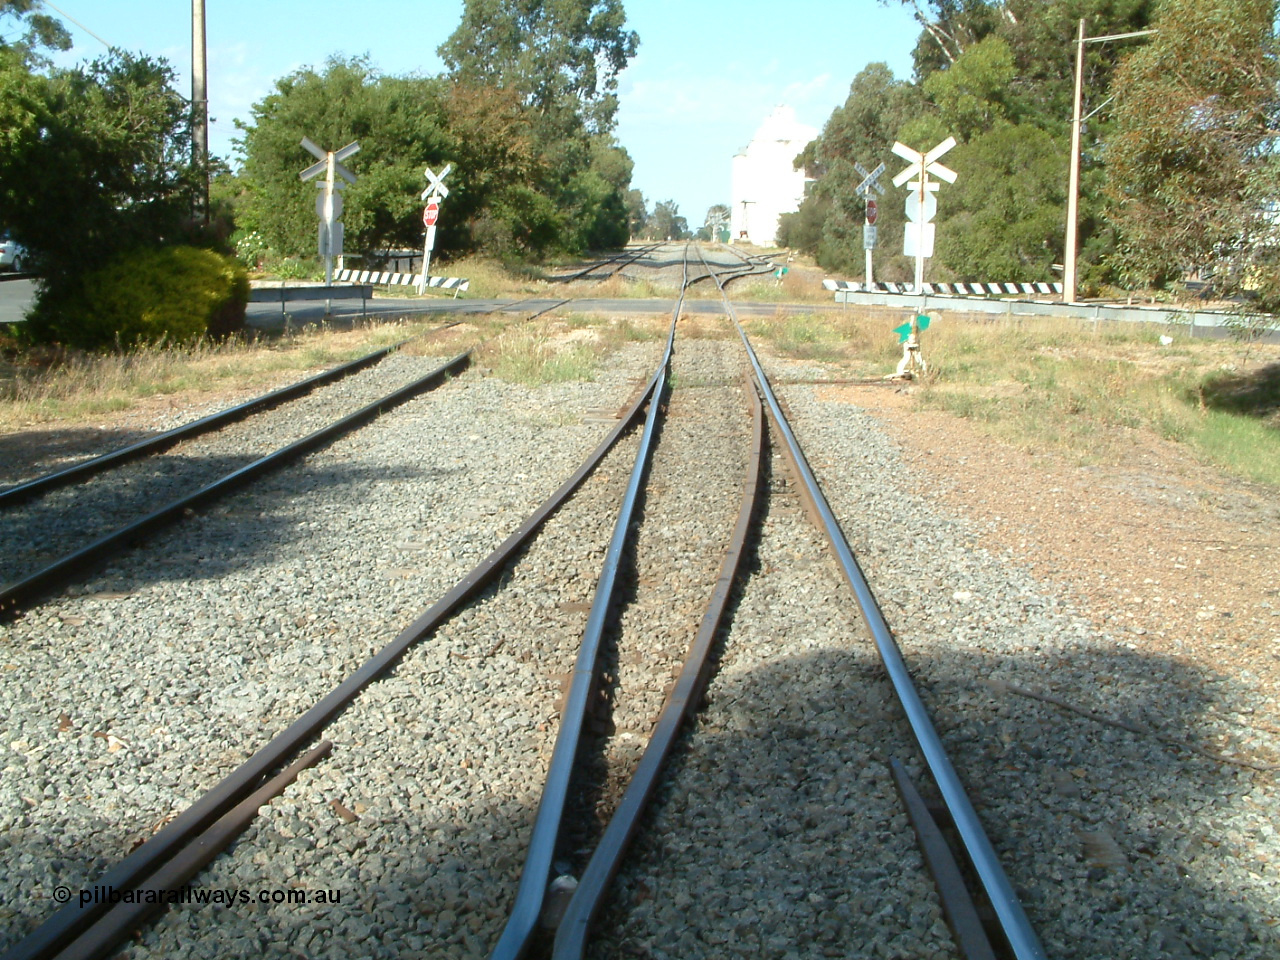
706 76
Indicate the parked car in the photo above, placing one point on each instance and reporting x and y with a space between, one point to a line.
12 255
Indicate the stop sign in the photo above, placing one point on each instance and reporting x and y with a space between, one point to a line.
872 212
430 214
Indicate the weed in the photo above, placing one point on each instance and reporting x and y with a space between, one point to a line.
530 357
1057 384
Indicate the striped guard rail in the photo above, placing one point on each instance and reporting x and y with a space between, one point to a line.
400 279
950 289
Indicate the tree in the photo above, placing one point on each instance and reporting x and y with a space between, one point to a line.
1192 167
949 27
637 212
562 59
718 216
559 54
665 223
398 125
515 194
861 131
94 161
42 32
1004 212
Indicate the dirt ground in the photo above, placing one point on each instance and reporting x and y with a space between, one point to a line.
1165 553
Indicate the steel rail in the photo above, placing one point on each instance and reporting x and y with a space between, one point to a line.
65 924
162 441
627 256
957 906
1013 919
522 920
16 594
113 927
680 705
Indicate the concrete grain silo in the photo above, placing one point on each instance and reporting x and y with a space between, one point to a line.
765 184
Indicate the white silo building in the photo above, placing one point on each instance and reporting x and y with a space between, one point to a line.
765 182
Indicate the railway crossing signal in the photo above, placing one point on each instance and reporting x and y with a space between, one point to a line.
435 192
329 202
870 182
922 205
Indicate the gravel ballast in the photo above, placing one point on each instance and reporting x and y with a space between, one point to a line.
779 832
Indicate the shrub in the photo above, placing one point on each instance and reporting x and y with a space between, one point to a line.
170 294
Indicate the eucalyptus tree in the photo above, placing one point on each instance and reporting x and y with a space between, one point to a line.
1193 172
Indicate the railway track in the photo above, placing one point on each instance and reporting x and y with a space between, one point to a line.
609 266
83 517
776 826
533 611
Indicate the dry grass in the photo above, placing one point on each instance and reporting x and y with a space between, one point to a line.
1060 384
558 349
82 387
619 287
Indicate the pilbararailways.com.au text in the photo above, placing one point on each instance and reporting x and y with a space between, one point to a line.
188 894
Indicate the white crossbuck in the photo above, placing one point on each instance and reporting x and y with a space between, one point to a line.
950 289
400 279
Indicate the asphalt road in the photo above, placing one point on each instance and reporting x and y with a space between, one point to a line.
16 296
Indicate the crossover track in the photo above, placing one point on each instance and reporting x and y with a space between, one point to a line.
552 913
610 266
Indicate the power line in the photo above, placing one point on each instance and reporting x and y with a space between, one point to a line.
79 24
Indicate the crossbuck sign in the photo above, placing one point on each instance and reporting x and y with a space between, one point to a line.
435 192
917 240
329 202
870 182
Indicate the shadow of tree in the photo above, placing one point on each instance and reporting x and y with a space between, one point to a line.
33 453
35 534
779 832
1253 394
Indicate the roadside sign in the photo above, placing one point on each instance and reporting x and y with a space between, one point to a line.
324 197
917 239
870 179
868 236
930 206
922 205
435 192
435 184
329 201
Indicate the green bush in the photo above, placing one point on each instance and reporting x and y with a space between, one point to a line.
170 294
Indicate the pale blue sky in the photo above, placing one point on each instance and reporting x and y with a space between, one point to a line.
706 75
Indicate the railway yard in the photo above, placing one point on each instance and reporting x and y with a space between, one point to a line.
1094 652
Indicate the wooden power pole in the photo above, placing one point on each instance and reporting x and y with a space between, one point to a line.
200 110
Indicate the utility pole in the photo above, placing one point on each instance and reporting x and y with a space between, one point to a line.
1073 185
200 110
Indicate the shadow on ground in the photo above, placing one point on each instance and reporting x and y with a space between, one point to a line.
1254 394
775 840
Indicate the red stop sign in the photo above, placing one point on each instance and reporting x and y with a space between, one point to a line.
430 215
871 211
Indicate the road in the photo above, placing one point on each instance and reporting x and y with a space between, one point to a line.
16 296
